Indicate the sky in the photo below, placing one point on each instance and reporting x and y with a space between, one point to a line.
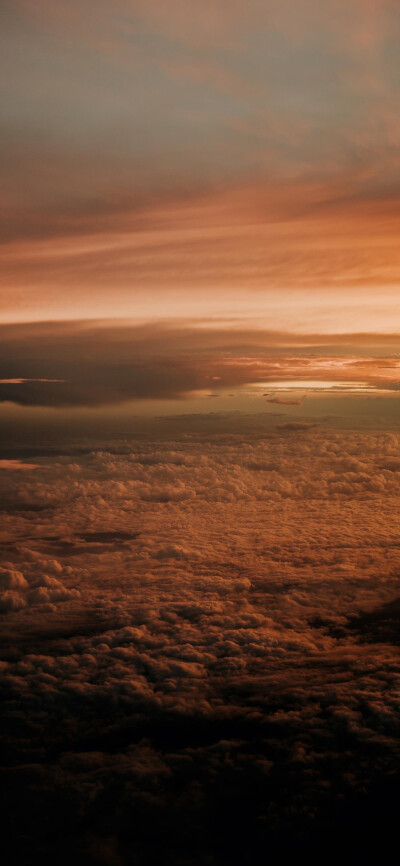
196 160
199 431
210 167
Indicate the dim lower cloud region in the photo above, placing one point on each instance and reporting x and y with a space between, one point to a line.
200 652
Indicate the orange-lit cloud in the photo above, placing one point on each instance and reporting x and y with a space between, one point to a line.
214 616
17 464
244 249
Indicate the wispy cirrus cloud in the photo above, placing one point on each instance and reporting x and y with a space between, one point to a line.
265 162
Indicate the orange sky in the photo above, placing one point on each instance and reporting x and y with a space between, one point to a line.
183 160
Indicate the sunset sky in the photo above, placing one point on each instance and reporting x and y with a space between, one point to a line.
199 431
225 170
201 160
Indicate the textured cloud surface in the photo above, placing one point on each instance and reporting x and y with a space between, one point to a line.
200 648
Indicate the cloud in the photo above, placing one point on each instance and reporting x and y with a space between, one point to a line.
22 381
209 615
17 464
43 589
297 426
283 402
104 363
12 579
289 236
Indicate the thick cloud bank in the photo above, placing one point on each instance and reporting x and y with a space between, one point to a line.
200 651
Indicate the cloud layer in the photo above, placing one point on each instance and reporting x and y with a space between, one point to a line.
103 363
198 630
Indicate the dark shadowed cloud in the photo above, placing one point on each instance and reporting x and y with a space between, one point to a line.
100 363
